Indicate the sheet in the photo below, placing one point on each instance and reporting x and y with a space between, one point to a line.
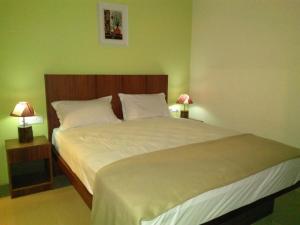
123 196
220 201
88 149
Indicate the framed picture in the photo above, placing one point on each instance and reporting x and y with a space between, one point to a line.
113 23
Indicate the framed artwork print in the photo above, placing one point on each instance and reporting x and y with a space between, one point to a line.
113 23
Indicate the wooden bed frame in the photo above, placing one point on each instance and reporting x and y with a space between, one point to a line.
84 87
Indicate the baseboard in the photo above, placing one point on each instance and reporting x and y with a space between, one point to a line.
4 190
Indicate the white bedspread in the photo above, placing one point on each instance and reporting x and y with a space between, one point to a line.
88 149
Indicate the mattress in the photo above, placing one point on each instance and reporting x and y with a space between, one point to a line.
90 148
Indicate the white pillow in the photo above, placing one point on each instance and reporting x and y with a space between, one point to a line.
144 106
81 113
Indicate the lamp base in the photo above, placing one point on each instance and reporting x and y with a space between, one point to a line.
25 134
184 114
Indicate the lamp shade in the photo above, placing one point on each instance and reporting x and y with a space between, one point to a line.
184 99
23 109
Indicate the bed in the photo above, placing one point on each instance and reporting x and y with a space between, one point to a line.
83 87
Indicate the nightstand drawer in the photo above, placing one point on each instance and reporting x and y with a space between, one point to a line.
29 166
29 153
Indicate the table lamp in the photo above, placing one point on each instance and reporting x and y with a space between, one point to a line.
24 109
185 100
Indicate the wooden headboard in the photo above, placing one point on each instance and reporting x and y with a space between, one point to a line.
84 87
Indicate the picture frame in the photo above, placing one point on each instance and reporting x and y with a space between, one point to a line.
113 20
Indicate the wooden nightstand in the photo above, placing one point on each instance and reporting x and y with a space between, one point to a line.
29 166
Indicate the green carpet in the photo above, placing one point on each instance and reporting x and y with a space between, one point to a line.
286 211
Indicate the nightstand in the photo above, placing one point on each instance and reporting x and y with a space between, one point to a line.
29 166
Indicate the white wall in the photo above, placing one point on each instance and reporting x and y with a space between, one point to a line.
245 66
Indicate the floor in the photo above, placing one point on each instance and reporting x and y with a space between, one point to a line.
286 212
63 206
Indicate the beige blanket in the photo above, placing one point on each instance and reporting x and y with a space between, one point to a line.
145 186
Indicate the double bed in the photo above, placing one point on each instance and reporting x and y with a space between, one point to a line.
83 151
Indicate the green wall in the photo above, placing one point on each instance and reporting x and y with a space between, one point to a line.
61 36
